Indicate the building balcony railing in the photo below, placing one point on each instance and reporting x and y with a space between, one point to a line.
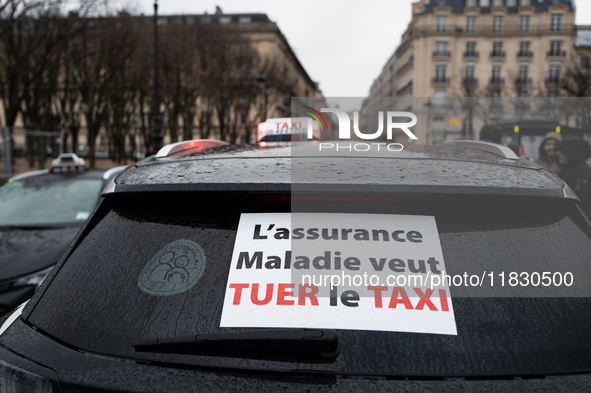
556 54
496 82
509 29
523 82
497 56
525 55
404 89
553 81
441 55
470 82
407 65
440 81
470 56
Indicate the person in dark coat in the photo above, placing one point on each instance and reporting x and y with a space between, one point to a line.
491 133
572 154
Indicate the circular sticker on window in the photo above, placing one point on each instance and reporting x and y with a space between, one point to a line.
174 269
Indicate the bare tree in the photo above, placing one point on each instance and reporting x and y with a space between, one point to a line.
576 82
92 64
33 37
123 94
179 65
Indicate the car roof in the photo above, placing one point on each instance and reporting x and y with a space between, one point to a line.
97 173
445 169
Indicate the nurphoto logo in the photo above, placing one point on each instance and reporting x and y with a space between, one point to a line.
344 124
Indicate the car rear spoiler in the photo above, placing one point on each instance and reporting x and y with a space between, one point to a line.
493 148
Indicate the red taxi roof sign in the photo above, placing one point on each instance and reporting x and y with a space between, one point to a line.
282 129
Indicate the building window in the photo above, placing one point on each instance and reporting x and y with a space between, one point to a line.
496 74
470 3
441 22
162 21
524 49
524 25
485 3
498 23
243 71
245 19
554 73
439 98
225 19
243 48
497 49
440 73
471 23
471 48
497 3
523 73
556 22
438 121
441 48
469 76
511 3
523 3
555 48
585 63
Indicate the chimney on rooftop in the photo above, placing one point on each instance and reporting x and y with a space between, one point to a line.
218 10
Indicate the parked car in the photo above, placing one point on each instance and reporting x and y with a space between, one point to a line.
138 154
101 154
40 213
184 279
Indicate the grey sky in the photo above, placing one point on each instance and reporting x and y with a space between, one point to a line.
343 44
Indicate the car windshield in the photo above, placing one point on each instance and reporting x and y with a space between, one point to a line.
106 296
48 201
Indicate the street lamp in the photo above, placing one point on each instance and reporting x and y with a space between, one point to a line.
428 105
157 116
261 81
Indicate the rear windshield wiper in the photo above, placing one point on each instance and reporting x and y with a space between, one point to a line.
289 345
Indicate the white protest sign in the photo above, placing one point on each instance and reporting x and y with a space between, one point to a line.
338 271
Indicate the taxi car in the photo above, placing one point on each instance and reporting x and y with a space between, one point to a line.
157 294
40 213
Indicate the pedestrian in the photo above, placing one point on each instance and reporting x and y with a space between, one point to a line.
491 133
572 156
547 157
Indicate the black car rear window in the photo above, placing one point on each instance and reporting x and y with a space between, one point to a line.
95 302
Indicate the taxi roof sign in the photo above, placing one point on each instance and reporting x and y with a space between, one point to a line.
288 126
